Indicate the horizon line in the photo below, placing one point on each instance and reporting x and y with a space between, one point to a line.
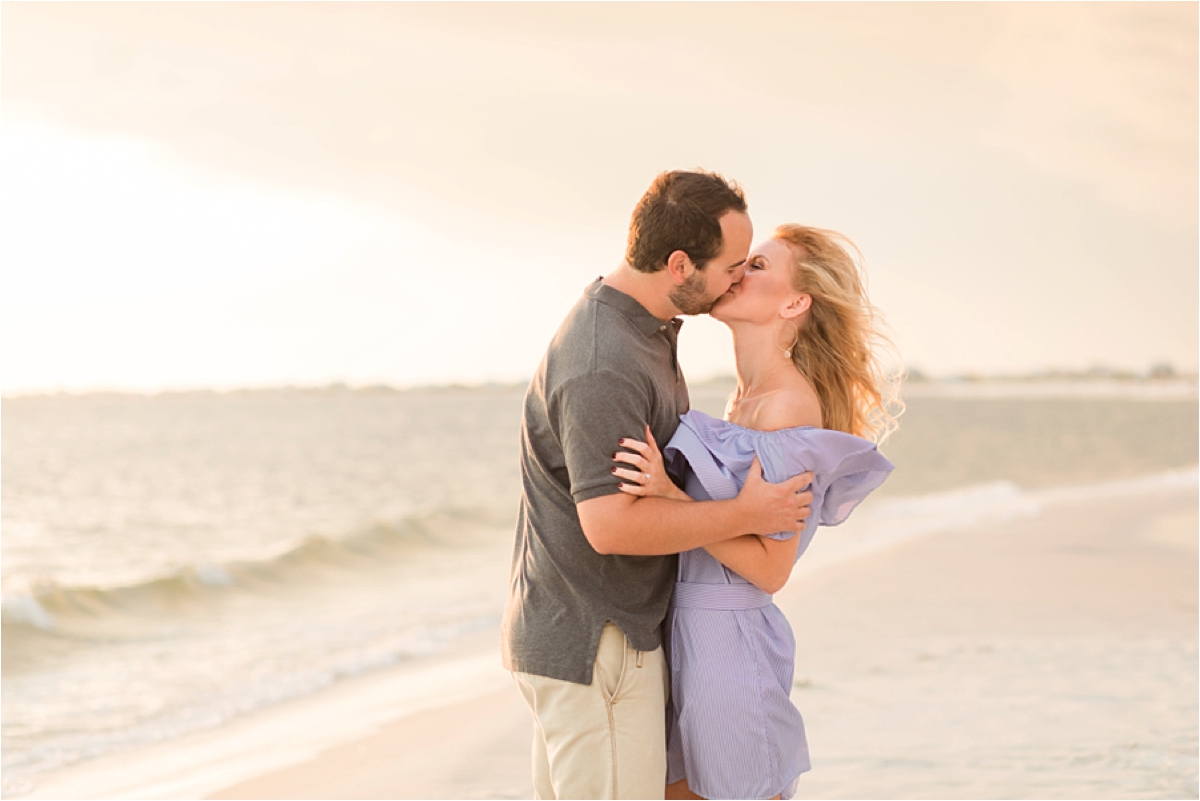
912 375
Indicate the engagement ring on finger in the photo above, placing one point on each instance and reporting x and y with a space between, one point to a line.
646 476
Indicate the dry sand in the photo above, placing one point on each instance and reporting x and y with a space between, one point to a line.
1051 657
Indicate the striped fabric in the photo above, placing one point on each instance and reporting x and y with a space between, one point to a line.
732 729
727 597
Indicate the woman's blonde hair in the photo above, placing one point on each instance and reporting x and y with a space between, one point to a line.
841 345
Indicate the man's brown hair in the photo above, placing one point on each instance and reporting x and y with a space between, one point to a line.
681 211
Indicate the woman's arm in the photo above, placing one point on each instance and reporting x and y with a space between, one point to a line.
764 562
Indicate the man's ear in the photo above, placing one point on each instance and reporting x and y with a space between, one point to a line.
798 306
679 266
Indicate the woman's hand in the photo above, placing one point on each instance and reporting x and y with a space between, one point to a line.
648 476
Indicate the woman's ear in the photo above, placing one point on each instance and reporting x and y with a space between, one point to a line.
677 266
798 306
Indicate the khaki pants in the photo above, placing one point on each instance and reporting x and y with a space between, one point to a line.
606 739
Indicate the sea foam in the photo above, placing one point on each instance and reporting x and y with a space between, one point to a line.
889 522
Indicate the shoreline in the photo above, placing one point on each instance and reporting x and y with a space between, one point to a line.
289 733
461 701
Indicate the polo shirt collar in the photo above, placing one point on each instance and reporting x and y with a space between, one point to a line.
643 320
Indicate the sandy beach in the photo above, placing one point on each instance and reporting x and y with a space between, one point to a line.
1053 656
283 280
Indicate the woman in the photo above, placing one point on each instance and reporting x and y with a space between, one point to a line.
810 387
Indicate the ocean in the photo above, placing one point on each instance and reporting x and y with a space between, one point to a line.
173 562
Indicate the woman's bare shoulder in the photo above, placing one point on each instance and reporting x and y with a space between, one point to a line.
794 406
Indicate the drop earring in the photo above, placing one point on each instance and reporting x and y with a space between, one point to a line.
795 339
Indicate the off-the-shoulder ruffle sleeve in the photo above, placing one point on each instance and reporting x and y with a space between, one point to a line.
845 468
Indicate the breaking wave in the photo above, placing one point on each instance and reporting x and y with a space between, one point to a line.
44 607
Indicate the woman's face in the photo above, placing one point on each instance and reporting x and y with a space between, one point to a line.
764 291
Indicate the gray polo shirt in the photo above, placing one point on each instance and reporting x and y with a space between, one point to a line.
611 368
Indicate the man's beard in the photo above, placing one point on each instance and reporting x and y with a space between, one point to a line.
689 296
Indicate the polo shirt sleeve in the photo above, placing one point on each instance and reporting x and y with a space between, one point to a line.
594 411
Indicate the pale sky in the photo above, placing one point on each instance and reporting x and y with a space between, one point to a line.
224 195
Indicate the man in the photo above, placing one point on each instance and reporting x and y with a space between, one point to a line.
593 568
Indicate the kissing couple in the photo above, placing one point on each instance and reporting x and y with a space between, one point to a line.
639 624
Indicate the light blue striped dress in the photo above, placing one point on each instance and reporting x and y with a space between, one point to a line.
732 729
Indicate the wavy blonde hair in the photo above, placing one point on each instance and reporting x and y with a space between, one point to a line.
841 345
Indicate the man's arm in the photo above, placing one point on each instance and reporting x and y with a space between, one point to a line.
633 526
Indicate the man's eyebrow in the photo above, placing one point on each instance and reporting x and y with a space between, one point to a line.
730 267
